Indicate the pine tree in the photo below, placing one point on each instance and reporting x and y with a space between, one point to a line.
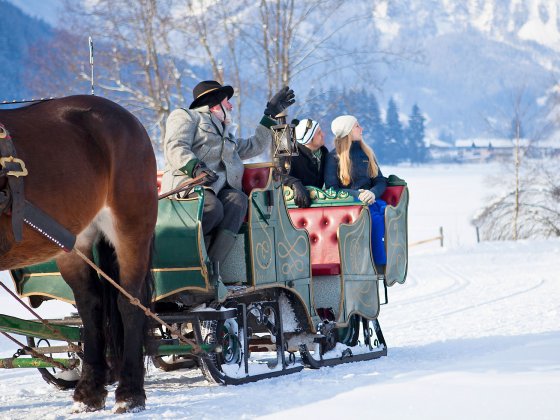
318 106
334 105
394 150
366 109
364 106
313 107
417 151
357 104
377 137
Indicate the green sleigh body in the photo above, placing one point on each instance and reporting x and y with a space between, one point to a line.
272 262
271 252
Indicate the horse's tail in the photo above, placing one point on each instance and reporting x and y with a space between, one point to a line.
149 291
114 332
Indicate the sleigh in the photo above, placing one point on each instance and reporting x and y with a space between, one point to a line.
303 289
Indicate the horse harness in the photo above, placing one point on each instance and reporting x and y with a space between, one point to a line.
14 204
12 201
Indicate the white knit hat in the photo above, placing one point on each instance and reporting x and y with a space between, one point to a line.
305 130
341 126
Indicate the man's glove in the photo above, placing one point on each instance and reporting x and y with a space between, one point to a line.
201 168
301 195
279 102
366 197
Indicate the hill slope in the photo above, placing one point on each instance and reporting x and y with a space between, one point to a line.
18 32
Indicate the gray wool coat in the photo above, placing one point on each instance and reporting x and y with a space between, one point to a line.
194 135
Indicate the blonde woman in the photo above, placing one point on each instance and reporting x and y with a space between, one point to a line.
351 166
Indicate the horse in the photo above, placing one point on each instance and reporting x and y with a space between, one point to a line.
91 167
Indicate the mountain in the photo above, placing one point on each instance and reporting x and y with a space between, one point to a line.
474 58
477 57
18 32
46 10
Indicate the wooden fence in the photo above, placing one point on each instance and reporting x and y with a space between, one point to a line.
423 241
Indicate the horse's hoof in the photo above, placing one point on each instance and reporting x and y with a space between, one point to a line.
122 407
80 407
87 402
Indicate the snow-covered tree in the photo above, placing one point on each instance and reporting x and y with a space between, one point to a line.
517 128
528 205
534 204
417 150
376 133
134 57
393 148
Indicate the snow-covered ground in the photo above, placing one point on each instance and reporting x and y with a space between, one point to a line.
474 333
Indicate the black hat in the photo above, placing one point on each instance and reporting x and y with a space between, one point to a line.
210 92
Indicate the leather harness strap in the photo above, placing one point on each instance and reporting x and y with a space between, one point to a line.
13 198
23 210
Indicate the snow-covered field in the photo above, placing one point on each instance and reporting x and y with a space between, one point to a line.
474 333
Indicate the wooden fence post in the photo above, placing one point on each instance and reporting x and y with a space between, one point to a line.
423 241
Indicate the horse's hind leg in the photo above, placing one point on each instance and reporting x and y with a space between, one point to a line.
133 241
90 392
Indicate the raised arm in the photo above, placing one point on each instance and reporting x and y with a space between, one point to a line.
257 144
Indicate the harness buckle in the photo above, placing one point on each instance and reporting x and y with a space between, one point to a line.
10 159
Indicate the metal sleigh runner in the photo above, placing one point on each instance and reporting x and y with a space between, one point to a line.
303 289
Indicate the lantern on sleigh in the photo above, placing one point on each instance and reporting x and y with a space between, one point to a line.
284 144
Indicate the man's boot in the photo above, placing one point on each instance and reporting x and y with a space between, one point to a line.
220 290
219 250
207 241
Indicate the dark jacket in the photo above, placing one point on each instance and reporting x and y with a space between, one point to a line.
359 176
305 168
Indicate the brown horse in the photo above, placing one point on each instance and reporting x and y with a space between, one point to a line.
91 168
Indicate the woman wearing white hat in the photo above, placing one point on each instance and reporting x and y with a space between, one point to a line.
352 166
308 168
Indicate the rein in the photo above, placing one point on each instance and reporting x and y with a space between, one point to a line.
12 202
185 186
72 346
12 199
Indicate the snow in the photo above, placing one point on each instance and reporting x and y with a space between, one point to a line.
482 16
473 333
390 29
542 27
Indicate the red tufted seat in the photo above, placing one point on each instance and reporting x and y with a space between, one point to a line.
255 175
159 175
392 195
322 225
